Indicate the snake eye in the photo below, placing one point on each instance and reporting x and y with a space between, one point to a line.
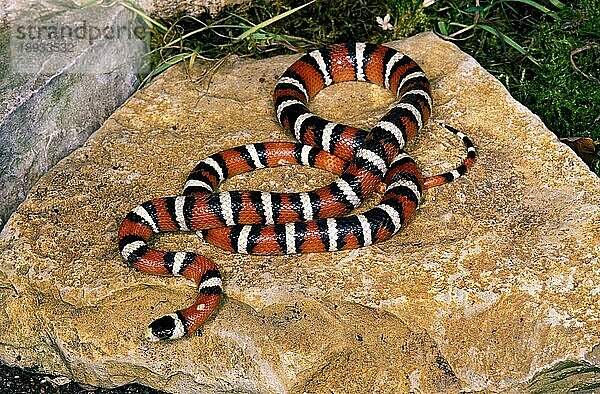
167 327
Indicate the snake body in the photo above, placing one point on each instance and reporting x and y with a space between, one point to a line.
288 223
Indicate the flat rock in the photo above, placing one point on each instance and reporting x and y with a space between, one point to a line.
494 285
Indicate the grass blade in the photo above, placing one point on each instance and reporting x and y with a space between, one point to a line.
88 3
166 64
478 8
531 3
255 28
193 57
557 4
509 41
151 22
535 5
443 28
181 38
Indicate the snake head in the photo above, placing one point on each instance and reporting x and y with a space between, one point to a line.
171 326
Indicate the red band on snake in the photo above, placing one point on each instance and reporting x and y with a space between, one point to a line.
287 223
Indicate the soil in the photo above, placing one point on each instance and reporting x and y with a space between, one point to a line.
19 381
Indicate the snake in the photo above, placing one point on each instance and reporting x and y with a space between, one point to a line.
269 223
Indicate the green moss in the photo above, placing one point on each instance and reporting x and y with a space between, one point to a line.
567 100
409 17
61 94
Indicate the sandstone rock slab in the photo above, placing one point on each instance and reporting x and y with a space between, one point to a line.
491 287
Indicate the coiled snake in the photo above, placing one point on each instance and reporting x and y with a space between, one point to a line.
287 223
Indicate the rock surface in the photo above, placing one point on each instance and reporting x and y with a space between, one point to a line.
9 9
52 100
172 9
492 286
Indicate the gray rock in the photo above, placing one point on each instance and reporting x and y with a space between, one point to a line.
9 9
52 100
171 9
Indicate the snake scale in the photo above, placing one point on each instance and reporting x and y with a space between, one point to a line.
268 223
